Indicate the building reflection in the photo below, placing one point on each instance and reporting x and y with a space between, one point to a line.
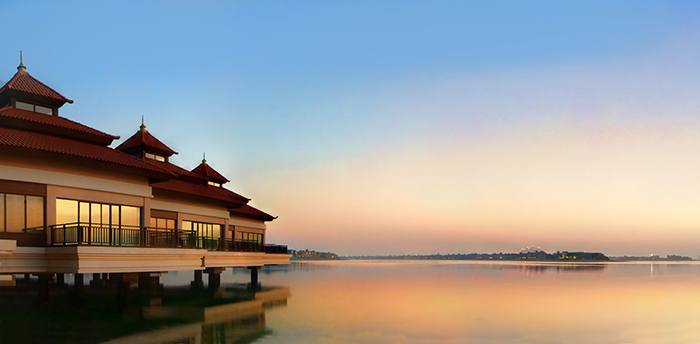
128 308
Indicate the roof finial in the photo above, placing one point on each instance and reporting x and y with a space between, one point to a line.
21 67
204 158
143 126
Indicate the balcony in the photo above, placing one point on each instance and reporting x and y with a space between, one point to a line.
71 234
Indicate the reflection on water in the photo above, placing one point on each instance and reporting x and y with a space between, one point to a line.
376 302
123 311
474 302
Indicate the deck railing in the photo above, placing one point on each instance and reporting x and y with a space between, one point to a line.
85 234
77 233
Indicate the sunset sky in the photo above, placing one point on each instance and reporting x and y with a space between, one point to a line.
398 127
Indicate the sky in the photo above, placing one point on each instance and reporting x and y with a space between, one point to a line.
403 127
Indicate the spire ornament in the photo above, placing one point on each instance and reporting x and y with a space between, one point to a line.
204 158
21 67
143 126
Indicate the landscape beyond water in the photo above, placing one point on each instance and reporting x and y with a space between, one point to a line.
377 301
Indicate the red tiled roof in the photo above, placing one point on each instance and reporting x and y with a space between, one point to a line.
206 171
52 121
144 139
248 211
177 171
53 144
201 190
23 82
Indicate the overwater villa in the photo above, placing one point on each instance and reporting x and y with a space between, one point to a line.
70 204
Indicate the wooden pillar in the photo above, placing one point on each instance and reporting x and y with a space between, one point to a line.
198 282
79 281
60 280
44 284
254 284
214 277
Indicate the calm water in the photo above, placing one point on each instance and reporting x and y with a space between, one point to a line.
387 302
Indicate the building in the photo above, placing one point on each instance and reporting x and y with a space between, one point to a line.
71 204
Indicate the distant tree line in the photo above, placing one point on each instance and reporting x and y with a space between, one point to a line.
535 256
308 254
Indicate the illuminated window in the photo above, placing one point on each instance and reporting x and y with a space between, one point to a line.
249 237
19 212
214 184
161 223
154 156
97 214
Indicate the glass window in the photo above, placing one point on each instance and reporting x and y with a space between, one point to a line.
95 216
24 106
85 212
66 211
154 222
35 211
115 216
43 109
131 216
15 212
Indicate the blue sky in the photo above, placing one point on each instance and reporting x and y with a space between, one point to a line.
445 126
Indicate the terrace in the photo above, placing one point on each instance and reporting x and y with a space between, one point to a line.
77 233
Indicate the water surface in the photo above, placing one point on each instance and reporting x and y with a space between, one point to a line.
473 302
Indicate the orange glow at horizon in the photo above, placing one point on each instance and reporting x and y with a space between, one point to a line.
561 188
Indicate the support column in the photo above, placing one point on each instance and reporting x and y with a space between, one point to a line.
198 282
97 281
79 281
60 280
254 284
214 277
44 284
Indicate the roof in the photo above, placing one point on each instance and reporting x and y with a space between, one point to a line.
248 211
36 121
177 171
148 142
23 82
60 145
206 171
202 190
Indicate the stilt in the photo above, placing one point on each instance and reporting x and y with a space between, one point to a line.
214 277
44 284
198 282
254 284
97 281
79 281
60 280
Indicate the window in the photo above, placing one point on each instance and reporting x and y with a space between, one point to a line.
154 156
19 212
36 108
209 230
161 223
208 234
249 237
97 214
214 184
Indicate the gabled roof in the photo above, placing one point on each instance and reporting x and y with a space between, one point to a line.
59 145
177 171
230 198
250 212
147 142
55 125
25 83
206 171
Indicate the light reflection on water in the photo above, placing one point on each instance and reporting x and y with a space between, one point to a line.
475 302
417 302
